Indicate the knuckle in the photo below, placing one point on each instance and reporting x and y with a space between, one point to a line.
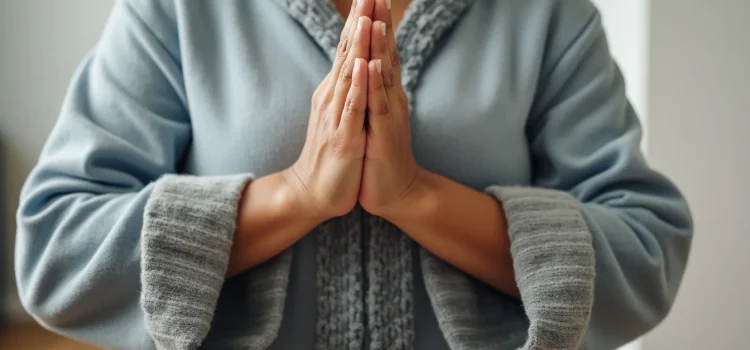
318 113
352 108
377 84
322 107
380 108
343 48
395 59
319 98
340 142
316 96
383 49
348 107
388 81
346 73
337 142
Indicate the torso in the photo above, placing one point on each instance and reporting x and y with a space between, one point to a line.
254 94
250 98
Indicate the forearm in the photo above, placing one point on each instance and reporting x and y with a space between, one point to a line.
462 226
270 219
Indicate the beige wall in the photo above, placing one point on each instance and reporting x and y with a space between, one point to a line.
699 134
41 43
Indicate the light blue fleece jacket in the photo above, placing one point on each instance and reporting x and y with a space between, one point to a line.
518 93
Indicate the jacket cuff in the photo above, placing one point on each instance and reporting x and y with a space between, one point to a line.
553 261
187 234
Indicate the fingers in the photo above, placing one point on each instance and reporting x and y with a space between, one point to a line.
353 114
377 99
349 20
359 9
382 12
361 43
379 51
360 49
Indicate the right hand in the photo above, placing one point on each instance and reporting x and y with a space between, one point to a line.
327 175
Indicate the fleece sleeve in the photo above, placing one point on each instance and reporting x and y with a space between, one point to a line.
592 189
95 210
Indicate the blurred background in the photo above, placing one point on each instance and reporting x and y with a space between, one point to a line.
687 63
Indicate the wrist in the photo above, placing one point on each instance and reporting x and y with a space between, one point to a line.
418 200
294 196
270 219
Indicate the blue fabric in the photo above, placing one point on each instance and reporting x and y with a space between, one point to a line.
520 92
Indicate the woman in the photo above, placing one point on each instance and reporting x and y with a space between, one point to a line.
480 187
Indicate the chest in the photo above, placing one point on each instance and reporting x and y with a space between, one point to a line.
250 101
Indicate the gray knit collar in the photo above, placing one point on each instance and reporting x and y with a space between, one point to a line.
366 295
424 24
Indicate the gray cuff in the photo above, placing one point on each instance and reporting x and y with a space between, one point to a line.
553 260
187 234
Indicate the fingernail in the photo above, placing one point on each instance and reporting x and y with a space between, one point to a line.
360 23
387 3
356 65
379 66
382 28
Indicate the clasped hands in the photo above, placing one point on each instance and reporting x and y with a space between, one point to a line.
358 150
358 144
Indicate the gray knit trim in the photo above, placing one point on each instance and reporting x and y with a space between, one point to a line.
390 296
184 255
553 261
471 314
339 279
251 307
423 25
320 19
554 264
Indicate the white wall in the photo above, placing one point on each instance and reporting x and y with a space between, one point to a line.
700 136
41 43
627 26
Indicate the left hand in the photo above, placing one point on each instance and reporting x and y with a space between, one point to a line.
390 170
468 228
